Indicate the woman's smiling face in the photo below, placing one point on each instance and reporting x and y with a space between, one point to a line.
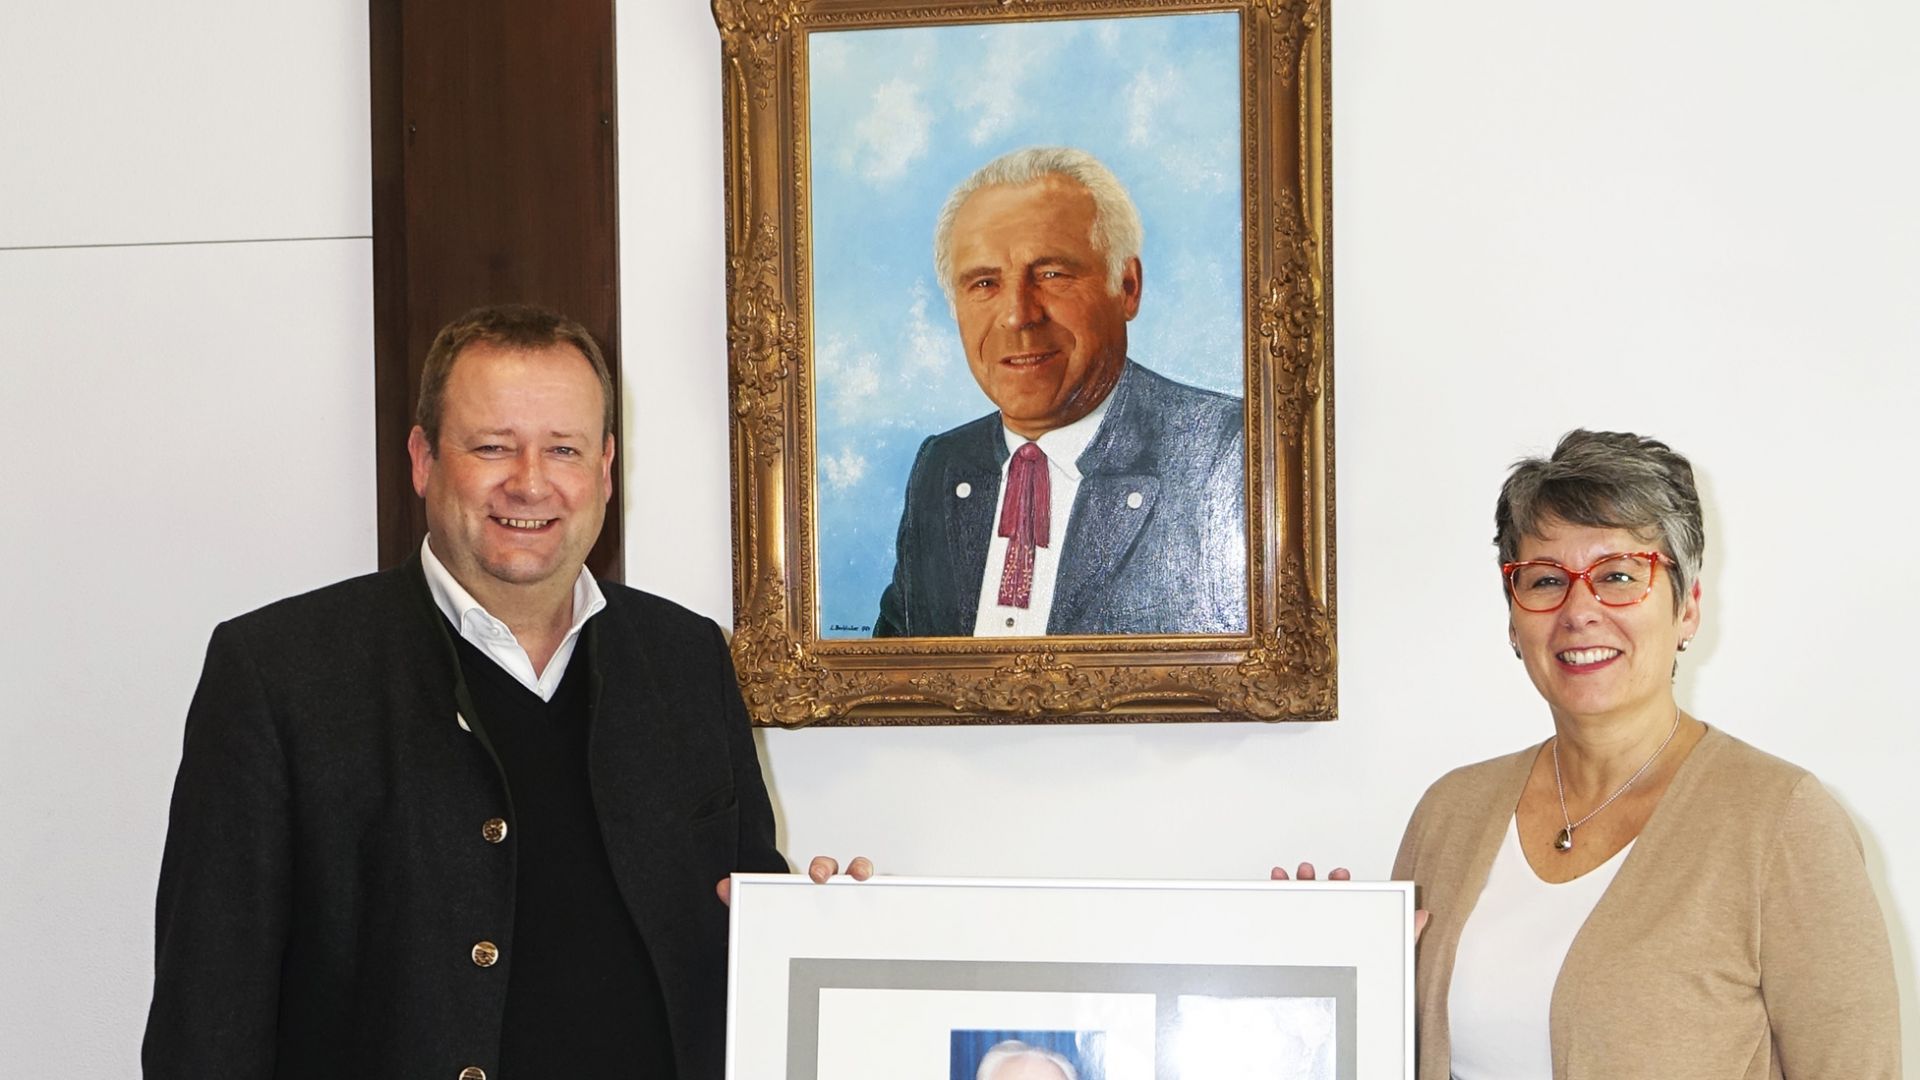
1589 660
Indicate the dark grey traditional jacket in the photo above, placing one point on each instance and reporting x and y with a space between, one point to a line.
326 878
1156 543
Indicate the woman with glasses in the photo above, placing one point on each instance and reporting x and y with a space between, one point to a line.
1641 894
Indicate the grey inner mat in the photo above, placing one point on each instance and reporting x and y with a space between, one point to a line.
808 976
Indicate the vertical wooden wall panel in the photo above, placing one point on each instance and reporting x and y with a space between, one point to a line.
494 179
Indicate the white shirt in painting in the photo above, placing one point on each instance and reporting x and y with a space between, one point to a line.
1063 447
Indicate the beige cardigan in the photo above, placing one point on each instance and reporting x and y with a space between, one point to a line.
1740 940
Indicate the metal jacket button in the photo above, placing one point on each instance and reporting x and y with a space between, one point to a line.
473 1072
486 954
494 831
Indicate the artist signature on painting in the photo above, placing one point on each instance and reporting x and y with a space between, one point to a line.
856 629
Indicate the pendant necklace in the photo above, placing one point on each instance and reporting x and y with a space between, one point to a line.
1564 841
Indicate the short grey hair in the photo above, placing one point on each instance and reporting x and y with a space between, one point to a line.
1608 480
1116 224
1014 1049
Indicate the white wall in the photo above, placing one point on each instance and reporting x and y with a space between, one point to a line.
186 381
1692 220
1717 194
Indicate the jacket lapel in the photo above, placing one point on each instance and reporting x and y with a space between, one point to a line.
1108 514
975 471
623 709
1119 485
437 630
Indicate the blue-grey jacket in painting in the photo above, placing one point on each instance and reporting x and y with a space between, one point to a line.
326 876
1156 543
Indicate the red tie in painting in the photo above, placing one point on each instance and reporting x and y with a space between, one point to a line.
1024 515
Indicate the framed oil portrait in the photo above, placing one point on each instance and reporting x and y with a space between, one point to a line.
1030 360
979 979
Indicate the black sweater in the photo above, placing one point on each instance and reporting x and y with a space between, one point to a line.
583 998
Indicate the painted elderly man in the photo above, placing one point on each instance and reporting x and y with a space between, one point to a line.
1099 497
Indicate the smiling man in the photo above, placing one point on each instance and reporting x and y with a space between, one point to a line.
1100 497
465 818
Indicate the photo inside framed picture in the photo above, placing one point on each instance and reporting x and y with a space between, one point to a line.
979 979
1030 359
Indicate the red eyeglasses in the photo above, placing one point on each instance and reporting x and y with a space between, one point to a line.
1618 580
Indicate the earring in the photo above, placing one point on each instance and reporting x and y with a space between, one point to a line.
1685 643
1516 649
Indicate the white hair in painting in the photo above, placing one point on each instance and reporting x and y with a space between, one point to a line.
1116 223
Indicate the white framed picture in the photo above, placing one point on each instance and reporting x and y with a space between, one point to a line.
998 979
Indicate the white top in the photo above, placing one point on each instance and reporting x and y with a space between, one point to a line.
1509 956
1063 447
495 638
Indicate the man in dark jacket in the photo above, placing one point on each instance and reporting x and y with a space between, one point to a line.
465 817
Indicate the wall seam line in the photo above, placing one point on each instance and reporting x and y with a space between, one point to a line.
182 243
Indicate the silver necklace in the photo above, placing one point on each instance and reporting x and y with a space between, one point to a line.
1564 842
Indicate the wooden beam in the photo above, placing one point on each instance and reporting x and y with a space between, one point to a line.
494 180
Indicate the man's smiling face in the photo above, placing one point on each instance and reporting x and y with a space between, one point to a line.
1045 337
517 489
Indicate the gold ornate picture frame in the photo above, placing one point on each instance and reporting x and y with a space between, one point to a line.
795 671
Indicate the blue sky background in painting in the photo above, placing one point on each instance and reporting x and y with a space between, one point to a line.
901 116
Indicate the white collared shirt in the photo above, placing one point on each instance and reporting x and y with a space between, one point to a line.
1063 447
495 639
